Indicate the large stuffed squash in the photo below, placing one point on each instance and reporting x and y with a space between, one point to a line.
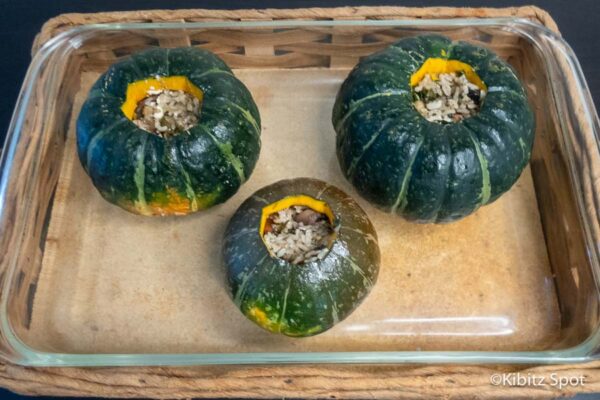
168 132
301 255
432 129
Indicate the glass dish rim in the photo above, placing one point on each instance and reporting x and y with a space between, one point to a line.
71 38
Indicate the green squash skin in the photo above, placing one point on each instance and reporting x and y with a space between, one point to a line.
152 62
366 156
373 78
115 80
300 300
420 48
465 170
150 175
108 166
104 113
497 130
421 170
428 180
195 159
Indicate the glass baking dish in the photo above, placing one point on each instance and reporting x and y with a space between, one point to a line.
85 283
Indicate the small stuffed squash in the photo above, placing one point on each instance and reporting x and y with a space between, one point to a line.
432 129
301 255
168 132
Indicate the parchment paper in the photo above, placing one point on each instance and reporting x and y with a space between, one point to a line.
116 282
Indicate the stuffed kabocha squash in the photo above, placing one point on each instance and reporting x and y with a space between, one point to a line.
432 129
168 132
301 255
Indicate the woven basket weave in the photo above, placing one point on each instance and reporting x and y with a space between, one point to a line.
332 381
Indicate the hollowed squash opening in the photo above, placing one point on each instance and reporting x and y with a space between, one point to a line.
165 106
436 66
298 229
446 91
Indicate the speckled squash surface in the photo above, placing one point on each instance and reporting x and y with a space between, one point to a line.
421 170
305 299
196 169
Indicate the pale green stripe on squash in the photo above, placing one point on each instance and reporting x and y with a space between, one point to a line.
189 190
226 150
486 187
282 319
406 179
99 136
335 315
139 176
366 280
247 115
366 147
356 103
239 296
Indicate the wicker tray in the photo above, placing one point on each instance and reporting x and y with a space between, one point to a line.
356 381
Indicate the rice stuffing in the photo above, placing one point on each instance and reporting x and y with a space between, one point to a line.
449 98
298 234
167 112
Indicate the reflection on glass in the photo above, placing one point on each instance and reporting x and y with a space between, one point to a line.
439 326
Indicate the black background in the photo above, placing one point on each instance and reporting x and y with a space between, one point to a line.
20 20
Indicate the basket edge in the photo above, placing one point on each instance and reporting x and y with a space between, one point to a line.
61 22
314 382
27 380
